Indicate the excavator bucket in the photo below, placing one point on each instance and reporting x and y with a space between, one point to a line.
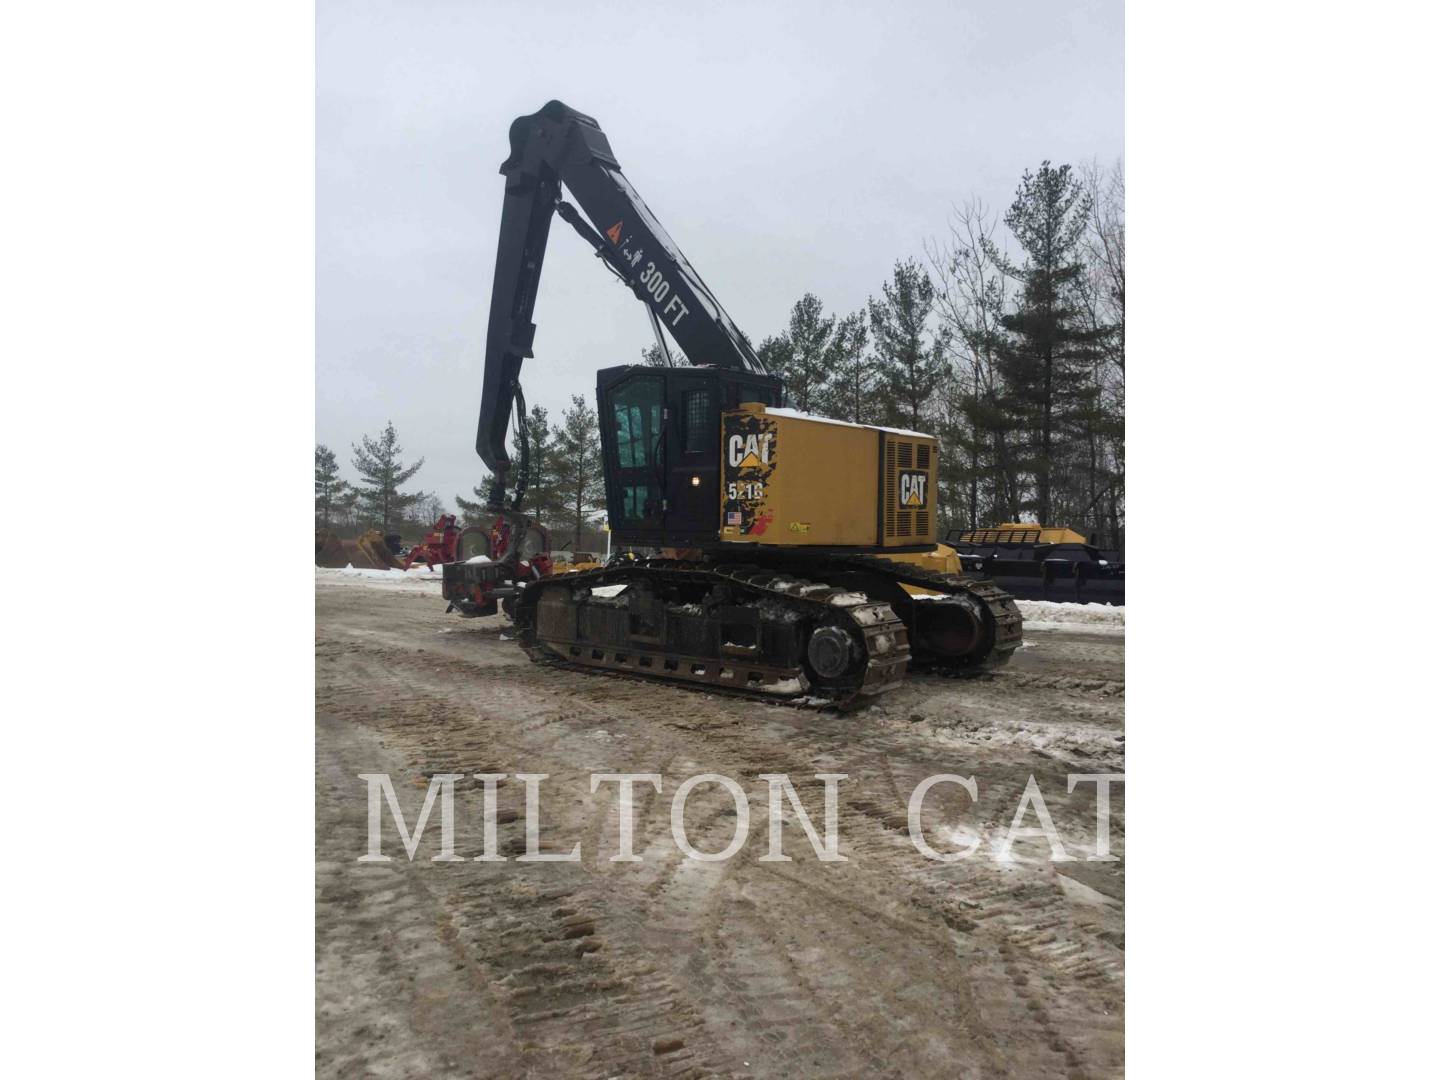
329 549
369 552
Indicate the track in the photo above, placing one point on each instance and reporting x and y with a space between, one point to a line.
885 965
1002 617
873 626
858 594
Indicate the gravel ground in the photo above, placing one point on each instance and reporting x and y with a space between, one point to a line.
886 964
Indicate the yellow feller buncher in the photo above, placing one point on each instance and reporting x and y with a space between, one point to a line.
784 538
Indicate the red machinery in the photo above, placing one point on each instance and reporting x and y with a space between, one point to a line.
497 560
495 563
447 543
441 544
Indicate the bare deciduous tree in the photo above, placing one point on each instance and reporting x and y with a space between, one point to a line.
1105 248
1105 296
972 297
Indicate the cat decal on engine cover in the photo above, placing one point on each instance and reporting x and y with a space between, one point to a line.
751 453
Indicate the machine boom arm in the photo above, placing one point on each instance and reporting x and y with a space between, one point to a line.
556 146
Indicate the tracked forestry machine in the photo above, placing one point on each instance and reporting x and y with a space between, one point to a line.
789 543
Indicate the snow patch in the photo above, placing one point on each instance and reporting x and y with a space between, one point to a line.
417 577
1099 629
784 686
1089 615
1056 617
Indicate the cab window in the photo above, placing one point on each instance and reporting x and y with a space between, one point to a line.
636 412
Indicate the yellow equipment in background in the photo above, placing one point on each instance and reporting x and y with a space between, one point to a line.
369 552
1021 533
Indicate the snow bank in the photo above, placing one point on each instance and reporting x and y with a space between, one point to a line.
414 578
1048 615
1038 614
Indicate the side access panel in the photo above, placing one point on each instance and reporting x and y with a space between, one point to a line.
795 482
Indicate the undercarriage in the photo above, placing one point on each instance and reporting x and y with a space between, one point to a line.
831 630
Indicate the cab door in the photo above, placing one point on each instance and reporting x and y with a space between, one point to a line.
634 436
693 497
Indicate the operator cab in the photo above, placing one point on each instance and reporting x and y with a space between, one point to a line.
660 437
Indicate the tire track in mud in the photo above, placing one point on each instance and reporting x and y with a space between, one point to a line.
386 950
539 971
576 1005
732 969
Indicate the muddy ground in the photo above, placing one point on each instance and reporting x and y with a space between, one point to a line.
887 964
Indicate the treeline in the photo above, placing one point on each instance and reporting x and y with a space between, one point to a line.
1007 341
1009 346
376 500
566 484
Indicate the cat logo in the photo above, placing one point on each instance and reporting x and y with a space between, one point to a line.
613 232
912 490
749 451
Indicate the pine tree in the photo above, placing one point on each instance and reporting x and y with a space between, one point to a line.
777 354
910 360
807 373
540 497
347 509
1048 359
579 477
382 472
474 511
332 494
850 393
652 356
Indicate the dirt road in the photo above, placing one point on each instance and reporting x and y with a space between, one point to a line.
887 964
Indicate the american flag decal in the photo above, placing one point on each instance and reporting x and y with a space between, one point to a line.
732 518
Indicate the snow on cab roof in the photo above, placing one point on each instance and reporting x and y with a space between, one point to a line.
796 414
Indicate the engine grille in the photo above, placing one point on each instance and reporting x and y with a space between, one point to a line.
902 455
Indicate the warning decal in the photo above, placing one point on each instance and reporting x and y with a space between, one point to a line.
613 232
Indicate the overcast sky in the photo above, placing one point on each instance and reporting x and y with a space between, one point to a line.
786 147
